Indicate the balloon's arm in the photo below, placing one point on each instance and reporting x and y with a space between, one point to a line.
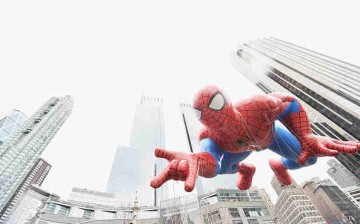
209 146
293 115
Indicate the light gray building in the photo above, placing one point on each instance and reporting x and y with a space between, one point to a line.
293 206
36 176
236 207
30 205
147 134
184 210
126 176
327 87
91 197
88 206
331 202
341 175
348 183
10 122
23 148
353 193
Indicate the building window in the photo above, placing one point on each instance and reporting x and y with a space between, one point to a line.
253 221
256 212
234 212
212 217
88 213
63 210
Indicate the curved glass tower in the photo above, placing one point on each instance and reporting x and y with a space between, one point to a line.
22 149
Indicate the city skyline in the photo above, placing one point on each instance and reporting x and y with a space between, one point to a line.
92 51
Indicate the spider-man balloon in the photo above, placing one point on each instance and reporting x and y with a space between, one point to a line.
232 131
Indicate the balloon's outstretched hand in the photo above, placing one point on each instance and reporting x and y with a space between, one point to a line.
317 146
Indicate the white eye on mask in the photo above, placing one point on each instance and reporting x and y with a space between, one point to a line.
217 102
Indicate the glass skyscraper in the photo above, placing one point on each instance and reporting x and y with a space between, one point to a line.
147 134
328 87
10 122
22 149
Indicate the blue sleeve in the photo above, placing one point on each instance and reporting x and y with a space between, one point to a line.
292 107
230 161
210 146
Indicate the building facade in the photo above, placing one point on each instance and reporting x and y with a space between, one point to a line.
147 134
36 176
327 87
88 206
23 148
341 175
331 202
348 183
10 122
234 206
126 177
30 205
180 210
293 206
96 198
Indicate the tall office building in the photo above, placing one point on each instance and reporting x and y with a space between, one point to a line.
328 88
192 127
10 122
36 176
342 176
23 148
331 202
127 175
293 206
348 183
147 134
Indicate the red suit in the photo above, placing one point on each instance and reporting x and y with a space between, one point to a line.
231 132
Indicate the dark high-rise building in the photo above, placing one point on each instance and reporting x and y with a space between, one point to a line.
331 202
36 176
328 88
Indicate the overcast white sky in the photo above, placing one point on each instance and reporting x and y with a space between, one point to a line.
106 53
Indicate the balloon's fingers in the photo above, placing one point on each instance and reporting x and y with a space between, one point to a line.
341 148
162 153
183 169
328 151
161 178
173 169
351 143
192 175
